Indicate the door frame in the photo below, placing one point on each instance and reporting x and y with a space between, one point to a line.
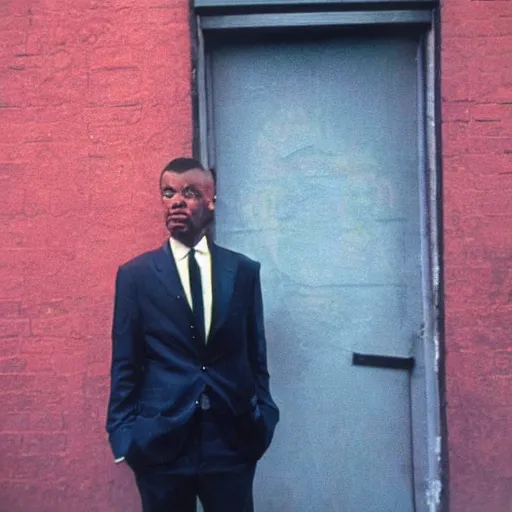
429 439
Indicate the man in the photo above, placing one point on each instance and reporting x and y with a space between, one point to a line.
190 408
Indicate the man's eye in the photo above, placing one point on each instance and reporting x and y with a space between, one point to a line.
167 194
190 193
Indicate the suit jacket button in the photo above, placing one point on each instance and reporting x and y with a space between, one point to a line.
203 368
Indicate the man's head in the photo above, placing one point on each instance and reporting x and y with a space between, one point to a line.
188 197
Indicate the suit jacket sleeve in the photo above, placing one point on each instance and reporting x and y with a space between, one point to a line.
127 358
258 359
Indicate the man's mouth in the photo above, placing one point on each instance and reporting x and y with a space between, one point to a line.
177 216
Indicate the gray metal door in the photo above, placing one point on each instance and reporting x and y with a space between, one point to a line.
316 150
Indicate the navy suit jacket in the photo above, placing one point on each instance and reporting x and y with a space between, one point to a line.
160 367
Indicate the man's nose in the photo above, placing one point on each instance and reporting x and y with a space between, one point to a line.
178 202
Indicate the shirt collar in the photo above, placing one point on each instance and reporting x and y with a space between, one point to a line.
180 251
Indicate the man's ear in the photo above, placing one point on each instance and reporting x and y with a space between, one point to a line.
211 204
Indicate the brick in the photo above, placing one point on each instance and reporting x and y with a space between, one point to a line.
12 365
475 28
66 361
491 87
491 111
43 443
10 347
27 387
54 275
497 180
11 284
20 402
482 317
21 383
455 137
479 171
120 82
31 467
97 386
474 336
13 203
456 111
13 35
38 132
38 344
49 308
477 238
14 327
41 364
56 326
489 128
470 284
469 201
18 496
485 433
11 444
489 495
478 384
31 422
10 308
489 145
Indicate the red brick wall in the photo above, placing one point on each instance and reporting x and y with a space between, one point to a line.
94 100
477 166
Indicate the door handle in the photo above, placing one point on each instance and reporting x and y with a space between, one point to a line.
379 361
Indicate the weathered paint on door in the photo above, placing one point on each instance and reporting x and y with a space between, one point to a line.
316 150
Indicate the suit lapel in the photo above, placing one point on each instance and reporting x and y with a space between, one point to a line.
167 273
224 268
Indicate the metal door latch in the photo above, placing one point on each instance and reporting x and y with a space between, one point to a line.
379 361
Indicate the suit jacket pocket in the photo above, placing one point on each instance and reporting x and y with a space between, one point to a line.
247 433
132 455
156 440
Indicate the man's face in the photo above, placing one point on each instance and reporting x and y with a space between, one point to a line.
188 201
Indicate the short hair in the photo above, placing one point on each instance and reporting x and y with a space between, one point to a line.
184 164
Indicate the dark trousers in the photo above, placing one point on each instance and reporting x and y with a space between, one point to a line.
208 468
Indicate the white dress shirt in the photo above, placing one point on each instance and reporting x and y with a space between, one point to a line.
204 260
